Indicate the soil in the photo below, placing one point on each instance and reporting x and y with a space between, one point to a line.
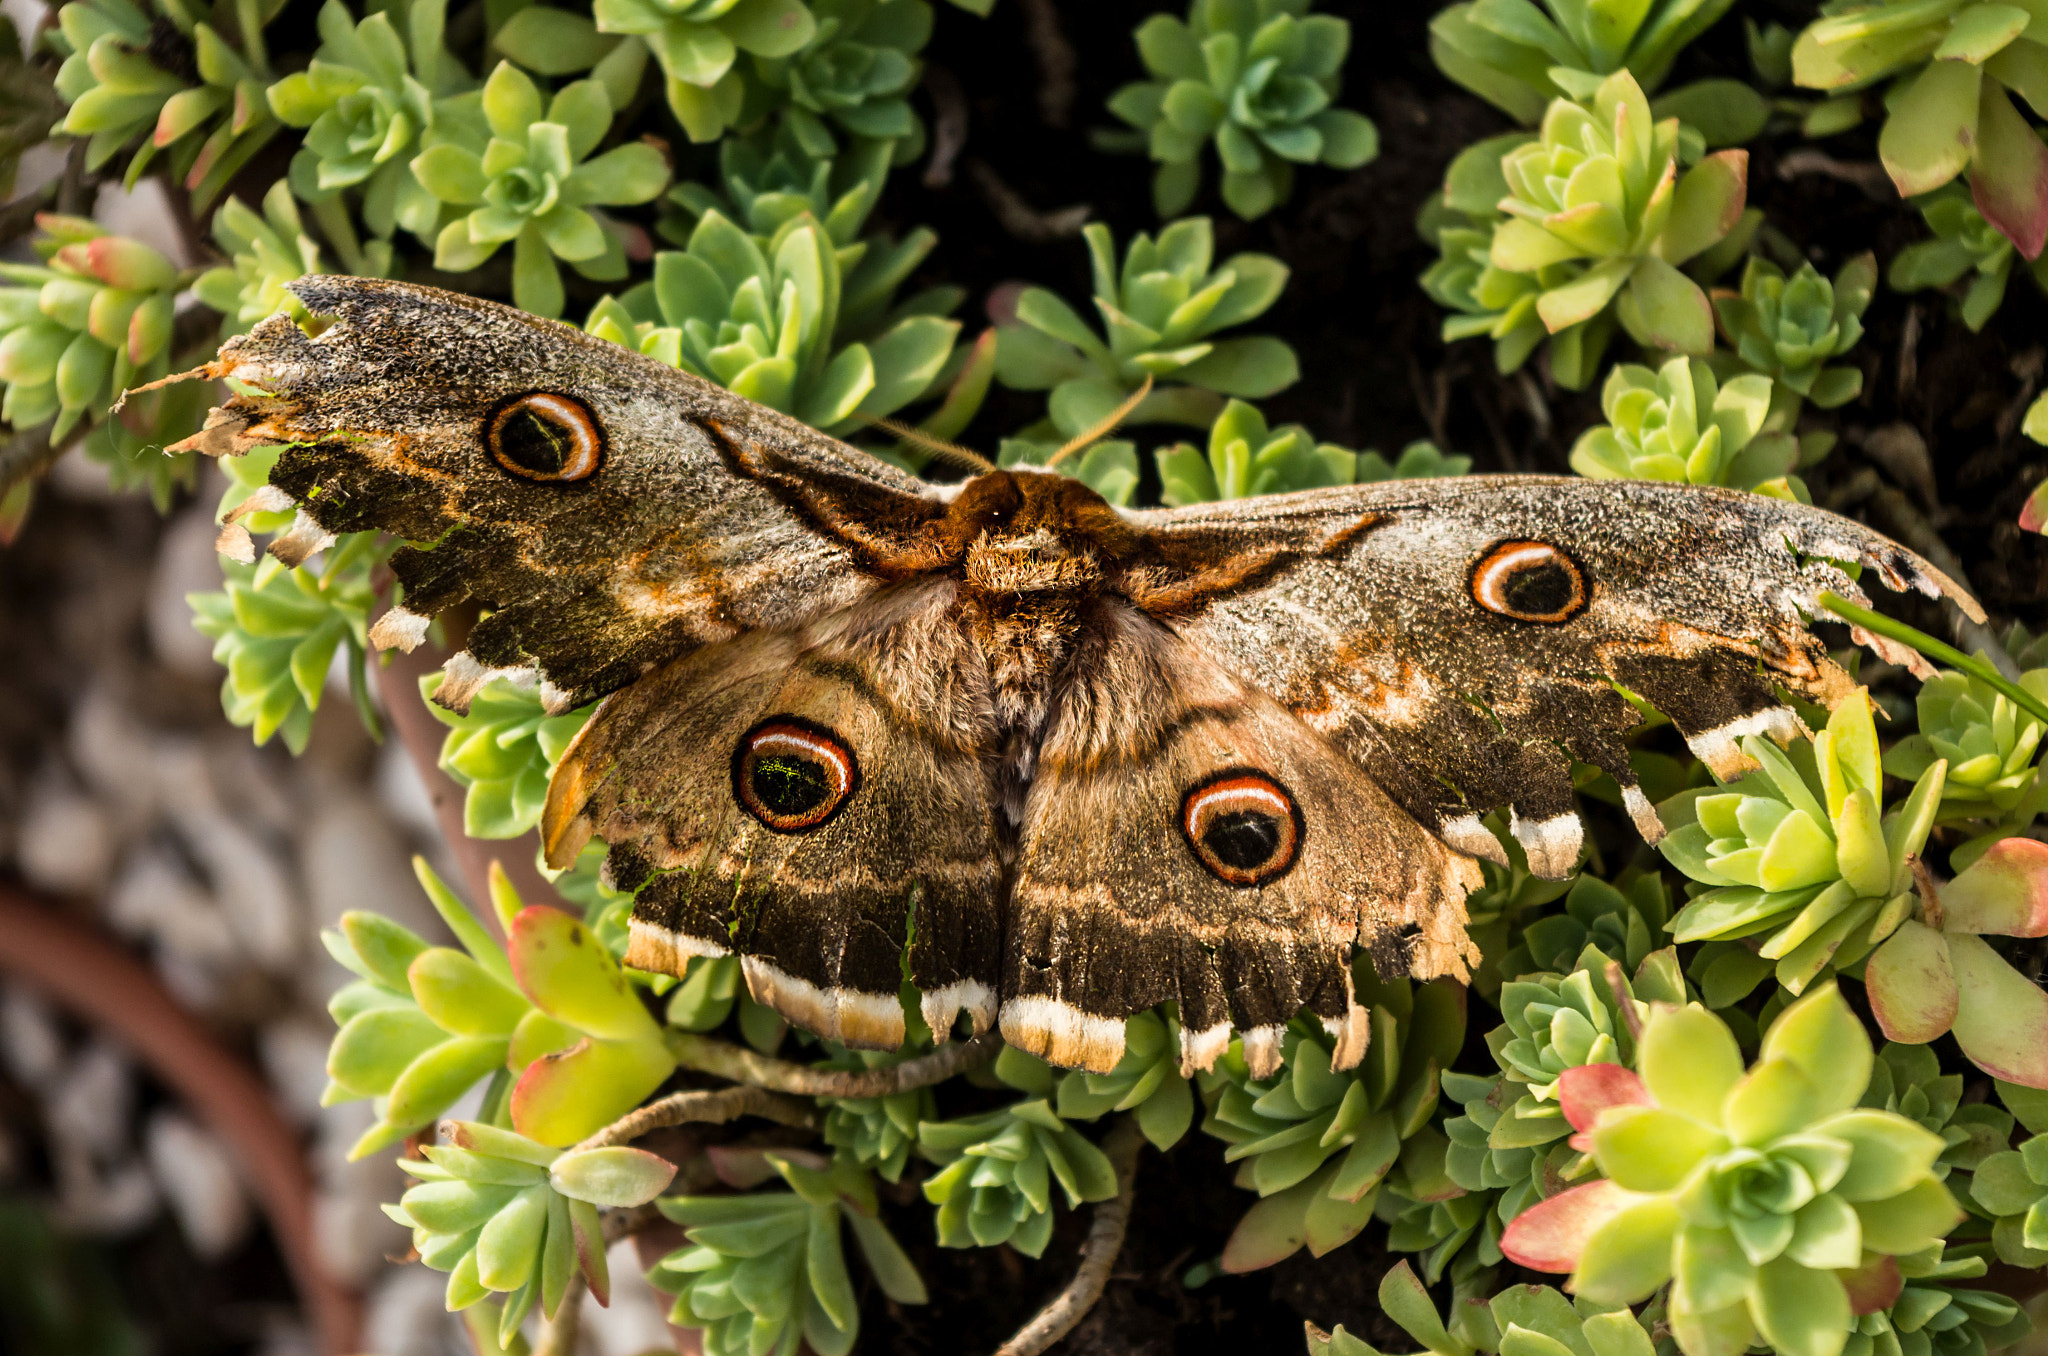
1375 374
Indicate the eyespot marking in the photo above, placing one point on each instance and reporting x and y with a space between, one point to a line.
1530 581
545 436
1243 826
793 775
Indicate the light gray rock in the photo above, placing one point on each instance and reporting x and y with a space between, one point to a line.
196 1176
65 844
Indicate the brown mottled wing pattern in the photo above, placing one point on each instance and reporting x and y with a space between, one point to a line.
821 914
667 547
1691 598
1112 912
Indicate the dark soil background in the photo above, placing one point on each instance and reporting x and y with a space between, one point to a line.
1030 82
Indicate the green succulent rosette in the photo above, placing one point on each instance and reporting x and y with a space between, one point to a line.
1246 457
997 1170
502 1214
1522 1320
548 1019
765 1272
1255 77
1597 215
264 252
697 43
2011 1185
1907 1079
90 321
1987 740
1953 66
1163 309
1680 423
1147 1082
533 185
1519 58
503 750
767 319
855 74
1934 1315
158 74
1790 328
370 100
1317 1143
1797 855
1750 1192
1964 245
771 175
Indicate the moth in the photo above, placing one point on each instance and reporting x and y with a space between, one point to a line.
1051 761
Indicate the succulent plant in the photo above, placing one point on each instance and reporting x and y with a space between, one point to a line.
1948 111
1679 423
878 1133
1508 1148
1147 1082
1256 77
697 42
502 1214
1788 329
1246 457
368 102
503 749
1485 299
1597 214
857 72
1747 1192
533 186
711 992
1161 311
264 253
159 74
1936 975
1988 741
770 175
1419 460
2011 1186
761 318
1797 853
1520 58
424 1024
1964 243
1315 1142
997 1170
1522 1320
1932 1314
93 319
766 1271
1625 921
1908 1079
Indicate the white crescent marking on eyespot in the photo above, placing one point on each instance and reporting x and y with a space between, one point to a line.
572 416
789 740
1490 586
1233 789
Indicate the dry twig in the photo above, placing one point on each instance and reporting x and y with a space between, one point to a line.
949 128
1056 62
712 1107
1019 217
706 1055
1098 1254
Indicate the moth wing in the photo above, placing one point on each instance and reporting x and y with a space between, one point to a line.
1113 909
687 516
887 702
1465 640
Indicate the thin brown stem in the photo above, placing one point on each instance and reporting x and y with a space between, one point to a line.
704 1107
1617 981
706 1055
1930 897
1098 1253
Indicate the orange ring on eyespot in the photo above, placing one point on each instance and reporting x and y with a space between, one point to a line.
545 436
1530 581
1243 826
792 774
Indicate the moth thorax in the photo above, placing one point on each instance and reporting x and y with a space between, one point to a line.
1029 562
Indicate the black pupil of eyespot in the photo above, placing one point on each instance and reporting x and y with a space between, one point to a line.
788 785
533 442
1539 590
1243 839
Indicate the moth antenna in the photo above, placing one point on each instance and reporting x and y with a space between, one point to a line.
1106 427
953 454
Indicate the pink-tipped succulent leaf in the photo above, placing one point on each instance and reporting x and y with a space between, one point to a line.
1550 1235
